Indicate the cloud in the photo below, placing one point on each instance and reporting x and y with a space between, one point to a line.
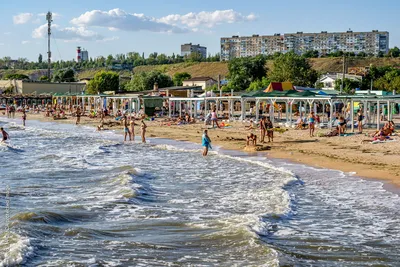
208 19
67 34
118 19
7 33
1 43
23 18
114 38
25 42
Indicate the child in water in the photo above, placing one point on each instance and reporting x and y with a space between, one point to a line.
143 133
206 142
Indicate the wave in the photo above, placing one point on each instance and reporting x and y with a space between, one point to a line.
48 217
14 249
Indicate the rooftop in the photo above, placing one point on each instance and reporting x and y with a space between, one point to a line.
199 79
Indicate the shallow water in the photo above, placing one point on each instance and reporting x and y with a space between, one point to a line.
83 198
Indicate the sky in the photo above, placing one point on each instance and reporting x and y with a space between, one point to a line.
122 26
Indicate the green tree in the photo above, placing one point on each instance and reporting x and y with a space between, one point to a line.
394 52
311 54
145 81
194 57
109 60
103 81
40 59
349 85
67 75
259 84
293 68
243 71
179 77
16 76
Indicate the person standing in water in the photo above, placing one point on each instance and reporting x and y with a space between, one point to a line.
23 117
5 135
78 115
206 143
143 132
126 128
132 130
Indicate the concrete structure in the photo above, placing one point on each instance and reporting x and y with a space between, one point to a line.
81 54
29 87
187 49
373 42
329 80
204 82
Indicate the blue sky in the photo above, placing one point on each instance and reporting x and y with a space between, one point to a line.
111 27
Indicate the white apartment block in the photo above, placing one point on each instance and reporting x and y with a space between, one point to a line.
372 42
187 49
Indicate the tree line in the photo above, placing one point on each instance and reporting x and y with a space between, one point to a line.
127 61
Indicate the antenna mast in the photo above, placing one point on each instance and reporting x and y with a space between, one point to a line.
49 18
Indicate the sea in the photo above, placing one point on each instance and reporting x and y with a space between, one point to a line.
72 196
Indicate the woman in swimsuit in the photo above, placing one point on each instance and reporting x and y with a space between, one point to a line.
270 130
143 128
206 142
311 122
359 121
23 118
126 129
214 118
342 125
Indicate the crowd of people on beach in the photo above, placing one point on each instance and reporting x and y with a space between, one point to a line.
128 121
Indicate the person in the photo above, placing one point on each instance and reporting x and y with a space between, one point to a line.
78 115
342 125
126 129
5 135
251 138
311 122
270 130
214 118
360 118
143 132
206 143
263 129
23 117
132 130
279 111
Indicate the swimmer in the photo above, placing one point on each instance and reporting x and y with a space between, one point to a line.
5 135
143 133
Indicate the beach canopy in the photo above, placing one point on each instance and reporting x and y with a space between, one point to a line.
285 86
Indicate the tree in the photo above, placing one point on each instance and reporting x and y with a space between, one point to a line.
293 68
179 77
67 75
259 84
311 54
109 60
40 59
145 81
103 81
349 85
194 57
394 52
16 76
243 71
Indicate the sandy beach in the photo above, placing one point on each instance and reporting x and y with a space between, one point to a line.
376 161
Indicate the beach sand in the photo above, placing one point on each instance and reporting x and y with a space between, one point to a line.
376 161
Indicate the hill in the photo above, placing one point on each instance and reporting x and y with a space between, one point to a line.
212 69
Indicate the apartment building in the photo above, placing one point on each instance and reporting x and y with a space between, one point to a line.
372 42
187 49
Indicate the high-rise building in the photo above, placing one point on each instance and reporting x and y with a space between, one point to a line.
187 49
81 55
373 42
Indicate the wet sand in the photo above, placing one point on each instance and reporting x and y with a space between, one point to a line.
376 161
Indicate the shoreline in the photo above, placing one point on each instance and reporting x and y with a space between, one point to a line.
376 162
